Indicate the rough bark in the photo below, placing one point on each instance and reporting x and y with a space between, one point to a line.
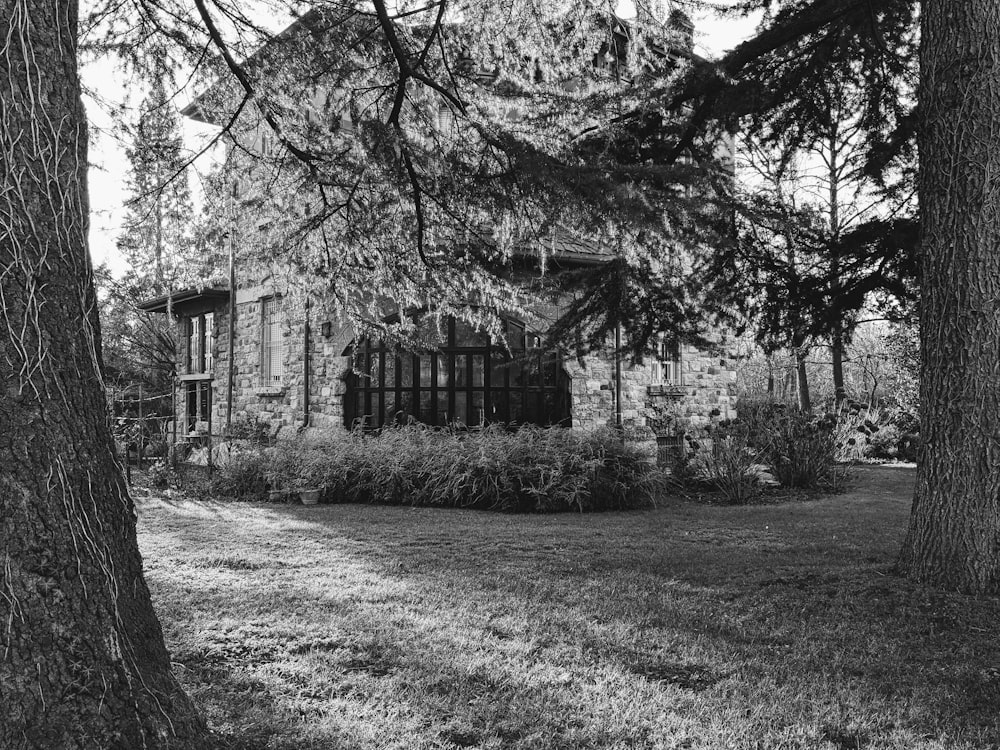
82 659
802 382
954 534
837 354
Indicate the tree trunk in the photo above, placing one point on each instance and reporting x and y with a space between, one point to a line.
837 353
82 659
954 533
802 382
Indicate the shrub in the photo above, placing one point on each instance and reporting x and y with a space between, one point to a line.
802 450
240 473
162 475
729 463
531 469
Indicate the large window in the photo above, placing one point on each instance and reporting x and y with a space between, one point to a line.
467 382
199 343
271 350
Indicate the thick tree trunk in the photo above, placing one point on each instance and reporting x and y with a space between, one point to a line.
82 659
954 533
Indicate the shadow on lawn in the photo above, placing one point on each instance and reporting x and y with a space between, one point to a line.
390 627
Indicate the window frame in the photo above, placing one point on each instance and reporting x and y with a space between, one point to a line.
667 367
200 338
465 383
273 305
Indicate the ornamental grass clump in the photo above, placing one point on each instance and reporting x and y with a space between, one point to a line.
729 463
801 451
530 469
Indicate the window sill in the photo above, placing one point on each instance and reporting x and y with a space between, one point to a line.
666 390
196 376
270 390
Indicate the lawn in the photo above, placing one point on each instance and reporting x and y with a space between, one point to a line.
688 626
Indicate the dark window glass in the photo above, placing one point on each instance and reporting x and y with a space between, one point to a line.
469 383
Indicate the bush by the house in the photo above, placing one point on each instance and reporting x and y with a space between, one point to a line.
800 450
729 463
531 469
240 473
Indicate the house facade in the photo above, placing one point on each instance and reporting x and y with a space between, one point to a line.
266 350
268 354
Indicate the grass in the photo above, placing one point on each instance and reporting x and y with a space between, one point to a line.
688 626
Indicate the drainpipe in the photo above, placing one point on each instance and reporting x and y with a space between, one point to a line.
231 374
618 376
305 370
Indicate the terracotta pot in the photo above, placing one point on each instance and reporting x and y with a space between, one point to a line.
309 497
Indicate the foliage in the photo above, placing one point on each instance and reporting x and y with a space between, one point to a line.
156 233
875 433
531 469
730 463
801 450
250 430
240 473
162 474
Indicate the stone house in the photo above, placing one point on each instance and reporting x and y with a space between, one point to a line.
264 350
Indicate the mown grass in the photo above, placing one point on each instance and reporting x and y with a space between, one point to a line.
688 626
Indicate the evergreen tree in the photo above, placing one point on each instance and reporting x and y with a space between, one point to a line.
156 234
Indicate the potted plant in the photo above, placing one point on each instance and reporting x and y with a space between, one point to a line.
308 473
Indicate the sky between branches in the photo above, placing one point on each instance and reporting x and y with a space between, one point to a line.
108 166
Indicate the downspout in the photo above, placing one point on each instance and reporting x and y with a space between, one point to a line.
231 375
618 376
305 370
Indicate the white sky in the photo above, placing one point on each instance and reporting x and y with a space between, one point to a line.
108 165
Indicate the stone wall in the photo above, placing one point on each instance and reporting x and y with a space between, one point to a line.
707 390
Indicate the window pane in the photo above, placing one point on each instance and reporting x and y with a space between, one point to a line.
498 411
517 374
444 370
389 407
406 405
425 371
549 373
390 370
478 415
461 371
406 370
478 370
461 415
443 416
516 407
209 339
426 412
533 371
359 407
549 408
498 372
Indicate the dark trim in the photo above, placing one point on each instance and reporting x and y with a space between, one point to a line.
190 301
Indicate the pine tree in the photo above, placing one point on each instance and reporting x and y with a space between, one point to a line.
156 232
